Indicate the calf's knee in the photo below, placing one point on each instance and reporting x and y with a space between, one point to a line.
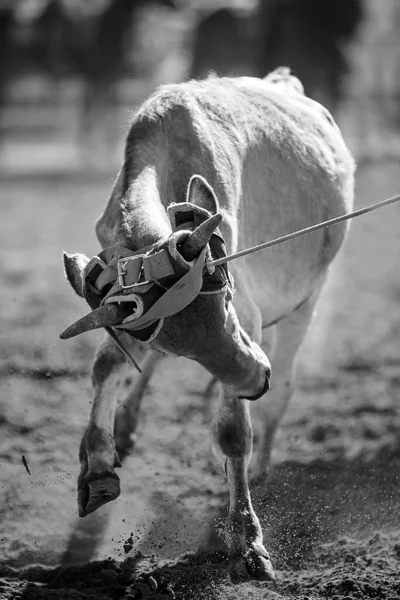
233 437
107 360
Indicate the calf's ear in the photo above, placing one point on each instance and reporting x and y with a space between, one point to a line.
200 193
74 265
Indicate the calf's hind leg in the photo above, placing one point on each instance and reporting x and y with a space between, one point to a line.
231 436
288 337
127 414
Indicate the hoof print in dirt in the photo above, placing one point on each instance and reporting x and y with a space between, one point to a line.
95 493
253 565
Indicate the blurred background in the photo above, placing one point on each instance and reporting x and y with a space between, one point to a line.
72 71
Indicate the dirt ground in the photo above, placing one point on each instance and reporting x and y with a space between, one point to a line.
330 504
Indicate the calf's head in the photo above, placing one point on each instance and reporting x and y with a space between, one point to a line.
206 330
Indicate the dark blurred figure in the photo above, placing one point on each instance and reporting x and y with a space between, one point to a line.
309 37
53 36
7 57
92 46
222 45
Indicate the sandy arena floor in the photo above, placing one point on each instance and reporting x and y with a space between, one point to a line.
330 505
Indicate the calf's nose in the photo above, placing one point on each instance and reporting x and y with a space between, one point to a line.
265 388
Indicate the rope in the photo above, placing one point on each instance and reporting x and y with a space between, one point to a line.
120 345
275 242
295 234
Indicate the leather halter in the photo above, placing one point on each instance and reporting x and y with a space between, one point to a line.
156 280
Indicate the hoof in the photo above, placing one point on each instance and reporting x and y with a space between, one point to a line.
95 493
254 564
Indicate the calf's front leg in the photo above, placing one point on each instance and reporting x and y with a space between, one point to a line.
231 436
98 483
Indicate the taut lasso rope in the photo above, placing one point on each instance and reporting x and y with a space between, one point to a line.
295 234
275 242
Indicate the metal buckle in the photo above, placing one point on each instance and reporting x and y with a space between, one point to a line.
134 271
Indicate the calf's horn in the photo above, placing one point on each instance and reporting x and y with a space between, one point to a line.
104 316
199 238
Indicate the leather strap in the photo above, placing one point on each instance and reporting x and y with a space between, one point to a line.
175 299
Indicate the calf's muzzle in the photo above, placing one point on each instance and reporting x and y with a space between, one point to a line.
265 388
